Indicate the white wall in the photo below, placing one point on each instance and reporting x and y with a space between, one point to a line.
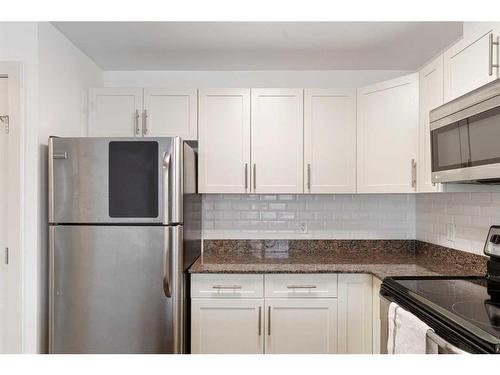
259 78
471 213
340 216
65 73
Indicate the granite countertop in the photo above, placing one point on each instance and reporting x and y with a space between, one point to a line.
381 258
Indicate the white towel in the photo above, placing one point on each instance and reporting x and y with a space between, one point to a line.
407 333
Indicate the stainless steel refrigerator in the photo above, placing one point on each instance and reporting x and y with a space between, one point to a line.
124 226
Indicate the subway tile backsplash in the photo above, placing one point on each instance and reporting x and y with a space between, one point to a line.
424 217
284 216
471 214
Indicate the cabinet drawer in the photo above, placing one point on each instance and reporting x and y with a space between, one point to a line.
300 285
227 286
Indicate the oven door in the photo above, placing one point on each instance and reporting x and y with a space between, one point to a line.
115 180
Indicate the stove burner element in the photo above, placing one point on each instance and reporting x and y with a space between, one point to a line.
449 289
479 314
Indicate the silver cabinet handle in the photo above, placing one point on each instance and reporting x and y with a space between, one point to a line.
301 286
260 321
309 177
145 122
219 286
246 176
413 173
493 42
269 320
166 264
254 177
137 129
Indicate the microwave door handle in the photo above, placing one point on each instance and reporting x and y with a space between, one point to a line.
166 188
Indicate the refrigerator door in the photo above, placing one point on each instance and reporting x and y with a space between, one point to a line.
109 288
115 180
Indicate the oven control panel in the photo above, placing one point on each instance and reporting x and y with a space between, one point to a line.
492 245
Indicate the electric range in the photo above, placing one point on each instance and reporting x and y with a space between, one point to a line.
464 311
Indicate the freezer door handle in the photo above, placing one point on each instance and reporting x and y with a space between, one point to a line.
166 188
167 264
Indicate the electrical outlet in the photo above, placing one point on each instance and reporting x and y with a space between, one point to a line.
303 228
450 232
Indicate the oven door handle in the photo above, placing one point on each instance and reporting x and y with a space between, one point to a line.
437 345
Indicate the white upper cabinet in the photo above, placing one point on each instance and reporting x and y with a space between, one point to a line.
329 141
277 140
470 63
431 96
224 141
115 112
387 136
128 112
170 112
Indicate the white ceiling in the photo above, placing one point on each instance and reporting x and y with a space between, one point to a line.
260 45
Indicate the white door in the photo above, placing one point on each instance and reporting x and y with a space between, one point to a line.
277 140
301 326
169 113
355 313
431 96
330 141
11 313
4 292
388 136
224 141
468 63
227 326
115 112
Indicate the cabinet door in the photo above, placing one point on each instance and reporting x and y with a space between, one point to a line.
330 141
115 112
303 326
376 315
431 96
170 112
355 314
227 326
277 140
388 136
467 64
224 141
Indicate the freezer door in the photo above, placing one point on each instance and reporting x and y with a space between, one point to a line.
116 289
115 180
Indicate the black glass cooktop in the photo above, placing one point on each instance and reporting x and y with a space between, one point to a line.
471 303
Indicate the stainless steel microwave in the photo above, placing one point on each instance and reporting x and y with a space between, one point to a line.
465 137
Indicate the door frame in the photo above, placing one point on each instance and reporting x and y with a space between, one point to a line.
15 173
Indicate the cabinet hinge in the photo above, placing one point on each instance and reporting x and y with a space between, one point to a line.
6 255
5 120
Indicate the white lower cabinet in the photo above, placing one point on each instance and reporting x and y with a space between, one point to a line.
355 314
301 326
314 313
376 314
227 326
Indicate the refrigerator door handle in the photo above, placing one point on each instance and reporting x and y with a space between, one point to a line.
166 188
177 288
167 264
